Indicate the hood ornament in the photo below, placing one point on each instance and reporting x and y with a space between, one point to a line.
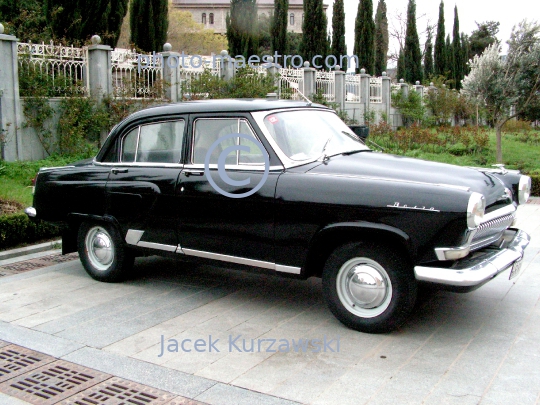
501 167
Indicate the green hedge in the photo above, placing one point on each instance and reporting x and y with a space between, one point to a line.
535 190
18 228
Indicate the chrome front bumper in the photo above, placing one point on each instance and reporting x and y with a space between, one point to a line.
480 266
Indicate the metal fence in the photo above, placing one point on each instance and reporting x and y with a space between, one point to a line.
325 83
375 90
136 75
290 81
353 88
62 67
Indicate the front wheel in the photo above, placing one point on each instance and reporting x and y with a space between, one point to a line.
369 287
102 252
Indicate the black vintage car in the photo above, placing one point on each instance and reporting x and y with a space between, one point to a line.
288 187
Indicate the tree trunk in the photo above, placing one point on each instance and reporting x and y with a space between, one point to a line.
498 129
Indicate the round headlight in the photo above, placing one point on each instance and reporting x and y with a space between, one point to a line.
524 189
475 210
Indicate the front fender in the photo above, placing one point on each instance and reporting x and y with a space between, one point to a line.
333 235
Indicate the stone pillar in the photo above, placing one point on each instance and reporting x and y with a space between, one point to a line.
364 88
99 69
273 71
171 64
387 94
404 88
227 68
309 81
419 89
10 102
340 87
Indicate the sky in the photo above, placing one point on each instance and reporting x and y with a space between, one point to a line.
508 13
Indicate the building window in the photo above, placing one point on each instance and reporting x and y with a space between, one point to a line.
292 19
204 18
211 18
262 16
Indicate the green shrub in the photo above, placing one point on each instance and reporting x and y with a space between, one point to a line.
535 190
18 228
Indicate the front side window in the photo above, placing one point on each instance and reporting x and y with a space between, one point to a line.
204 18
211 18
154 143
292 19
208 131
307 135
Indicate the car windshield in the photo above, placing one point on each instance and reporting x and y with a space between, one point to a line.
311 134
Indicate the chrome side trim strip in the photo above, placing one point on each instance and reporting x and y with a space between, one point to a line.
230 259
351 176
288 269
158 246
241 260
133 236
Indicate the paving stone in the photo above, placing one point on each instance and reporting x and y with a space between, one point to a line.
145 373
222 394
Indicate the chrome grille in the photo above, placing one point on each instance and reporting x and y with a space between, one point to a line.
490 231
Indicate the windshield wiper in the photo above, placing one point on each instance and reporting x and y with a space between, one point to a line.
323 154
352 152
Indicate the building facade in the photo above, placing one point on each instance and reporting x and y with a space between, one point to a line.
213 13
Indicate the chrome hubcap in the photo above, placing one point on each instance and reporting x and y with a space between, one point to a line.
363 287
99 247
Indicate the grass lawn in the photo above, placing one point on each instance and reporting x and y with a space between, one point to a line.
517 154
16 178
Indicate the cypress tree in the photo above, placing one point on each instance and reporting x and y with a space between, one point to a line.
242 31
149 23
457 53
381 38
428 56
466 49
338 32
279 27
364 37
77 21
314 28
401 65
440 53
411 54
448 56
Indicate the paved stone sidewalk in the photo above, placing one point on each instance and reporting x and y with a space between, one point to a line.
482 347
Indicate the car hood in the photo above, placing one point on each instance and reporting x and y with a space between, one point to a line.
399 168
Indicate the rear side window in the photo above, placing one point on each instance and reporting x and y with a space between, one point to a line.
154 143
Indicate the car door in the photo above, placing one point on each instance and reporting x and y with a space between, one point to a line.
227 215
141 185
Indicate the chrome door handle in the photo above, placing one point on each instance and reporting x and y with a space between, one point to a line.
188 173
116 171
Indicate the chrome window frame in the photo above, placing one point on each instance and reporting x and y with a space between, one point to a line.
288 163
237 166
145 164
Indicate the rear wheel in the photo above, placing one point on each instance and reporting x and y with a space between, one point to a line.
369 287
102 252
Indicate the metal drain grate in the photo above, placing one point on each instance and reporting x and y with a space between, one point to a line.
117 391
16 360
52 383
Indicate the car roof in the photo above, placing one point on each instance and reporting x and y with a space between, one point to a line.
222 105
